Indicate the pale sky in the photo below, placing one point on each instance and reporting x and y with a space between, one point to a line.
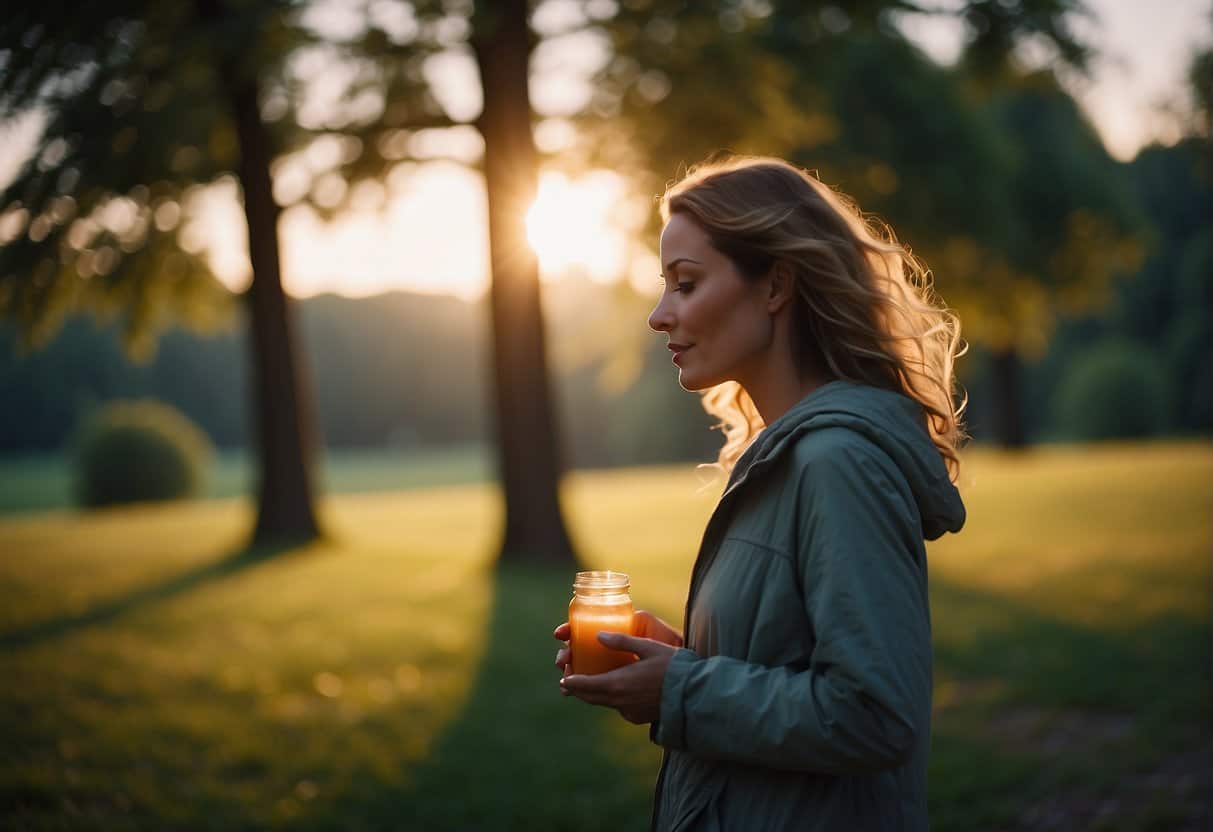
586 225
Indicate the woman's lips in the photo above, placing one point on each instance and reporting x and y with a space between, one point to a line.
678 350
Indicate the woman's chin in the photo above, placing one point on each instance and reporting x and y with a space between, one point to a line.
691 382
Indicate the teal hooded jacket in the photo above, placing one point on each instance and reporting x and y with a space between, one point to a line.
802 699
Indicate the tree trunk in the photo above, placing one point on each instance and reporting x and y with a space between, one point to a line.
284 440
527 437
1008 405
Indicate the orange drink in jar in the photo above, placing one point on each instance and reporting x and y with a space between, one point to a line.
602 601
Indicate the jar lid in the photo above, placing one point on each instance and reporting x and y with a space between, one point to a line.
601 579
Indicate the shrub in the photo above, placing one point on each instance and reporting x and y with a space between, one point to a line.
135 451
1114 390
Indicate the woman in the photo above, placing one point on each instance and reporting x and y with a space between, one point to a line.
802 697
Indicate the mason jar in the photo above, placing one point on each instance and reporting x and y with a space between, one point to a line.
602 601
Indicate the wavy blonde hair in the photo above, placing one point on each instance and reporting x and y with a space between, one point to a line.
866 308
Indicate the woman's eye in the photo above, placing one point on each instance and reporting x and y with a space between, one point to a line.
683 286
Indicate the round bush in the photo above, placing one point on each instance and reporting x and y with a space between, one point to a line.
135 451
1113 390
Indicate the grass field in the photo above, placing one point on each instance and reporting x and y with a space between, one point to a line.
158 676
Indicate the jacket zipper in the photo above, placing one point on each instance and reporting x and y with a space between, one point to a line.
698 570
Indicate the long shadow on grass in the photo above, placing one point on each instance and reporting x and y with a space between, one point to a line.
519 756
109 610
1045 659
1155 672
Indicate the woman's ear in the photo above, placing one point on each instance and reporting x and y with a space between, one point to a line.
783 286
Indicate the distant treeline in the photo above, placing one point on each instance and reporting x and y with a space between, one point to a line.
400 369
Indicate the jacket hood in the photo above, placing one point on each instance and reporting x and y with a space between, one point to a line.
892 421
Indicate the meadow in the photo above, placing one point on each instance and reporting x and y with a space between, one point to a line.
159 674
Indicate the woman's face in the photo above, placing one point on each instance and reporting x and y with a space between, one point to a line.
718 324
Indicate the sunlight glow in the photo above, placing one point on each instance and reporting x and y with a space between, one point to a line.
574 226
429 237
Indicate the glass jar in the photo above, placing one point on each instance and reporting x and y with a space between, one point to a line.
602 601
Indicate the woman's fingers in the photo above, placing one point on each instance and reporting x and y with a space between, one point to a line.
647 625
596 690
642 647
643 624
562 633
563 655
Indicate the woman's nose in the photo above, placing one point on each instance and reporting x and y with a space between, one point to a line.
660 319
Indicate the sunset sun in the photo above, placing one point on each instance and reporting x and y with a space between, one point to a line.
572 226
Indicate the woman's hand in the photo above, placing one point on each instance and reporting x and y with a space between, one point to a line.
635 689
644 624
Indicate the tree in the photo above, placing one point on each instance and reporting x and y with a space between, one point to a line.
528 441
1073 230
496 37
141 101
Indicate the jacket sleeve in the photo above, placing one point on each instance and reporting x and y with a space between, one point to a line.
864 700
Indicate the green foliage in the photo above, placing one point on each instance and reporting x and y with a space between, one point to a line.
1169 303
899 115
135 103
1069 200
137 451
1190 341
131 116
1114 390
996 28
1189 348
387 678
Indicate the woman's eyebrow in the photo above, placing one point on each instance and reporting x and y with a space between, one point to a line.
673 264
